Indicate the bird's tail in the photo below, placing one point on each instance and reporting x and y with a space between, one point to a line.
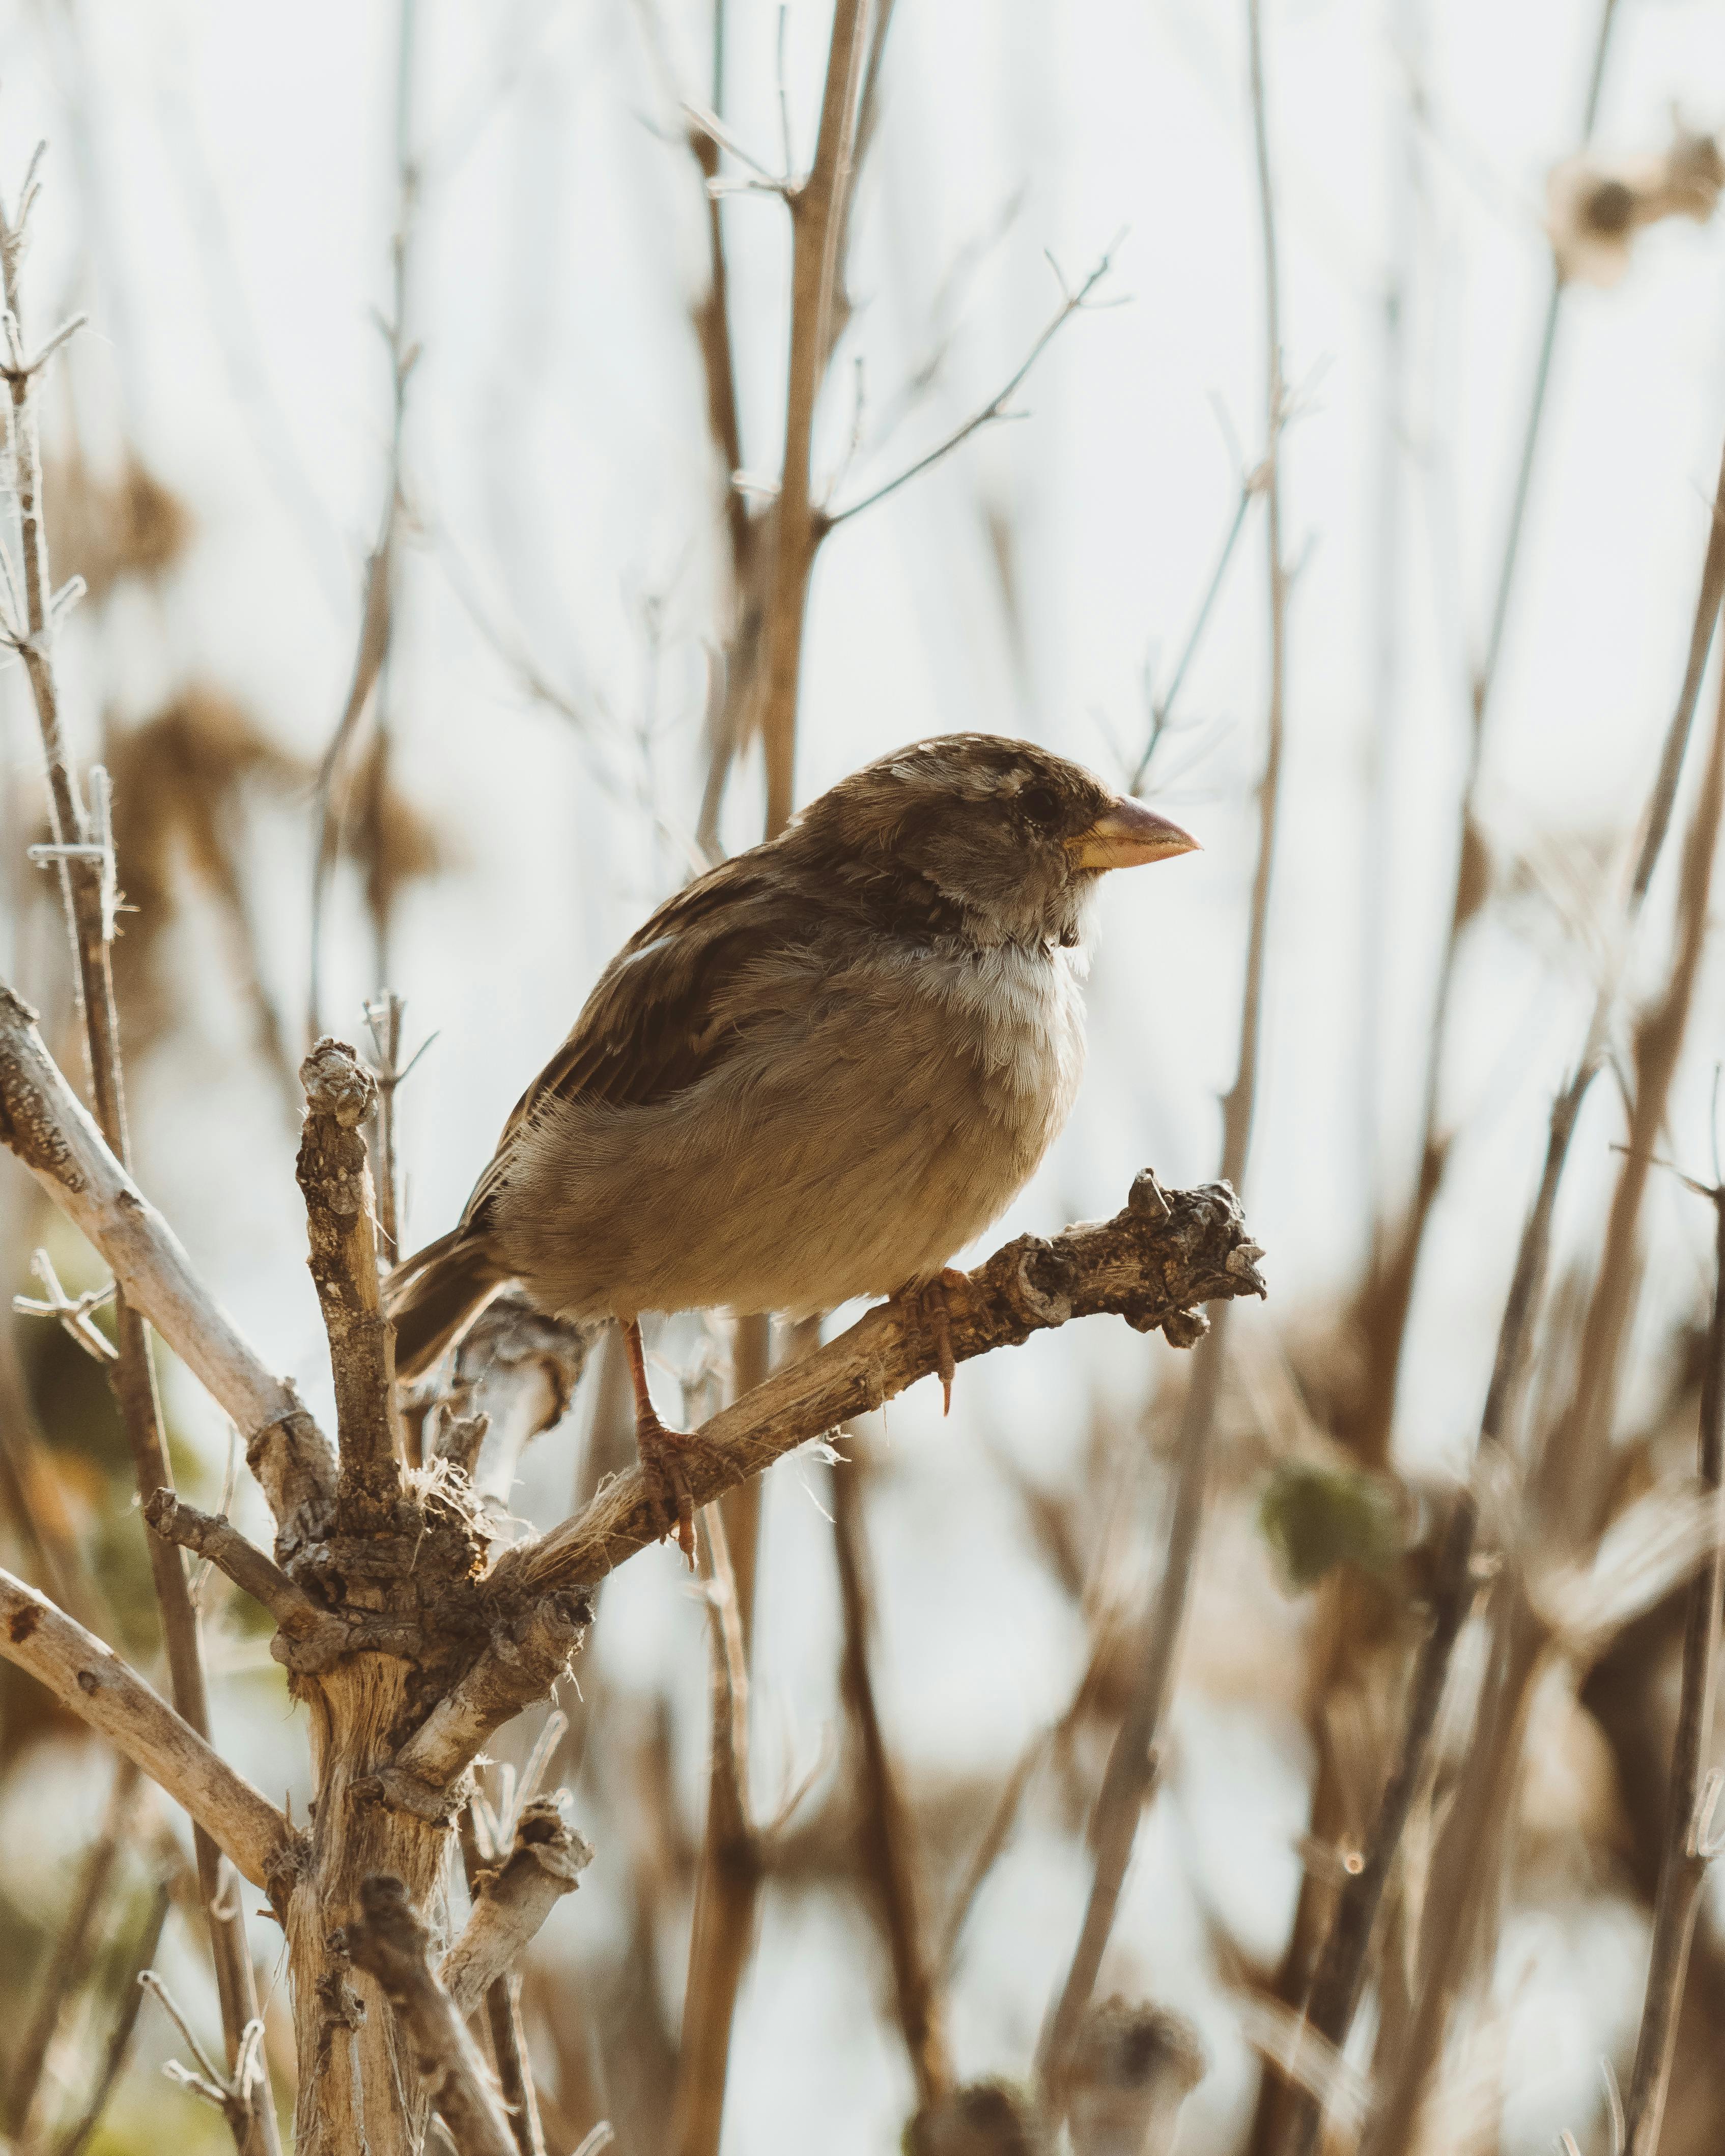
434 1297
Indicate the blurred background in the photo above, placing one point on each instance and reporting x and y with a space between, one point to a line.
452 259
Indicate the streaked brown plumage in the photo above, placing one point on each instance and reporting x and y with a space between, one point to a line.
814 1074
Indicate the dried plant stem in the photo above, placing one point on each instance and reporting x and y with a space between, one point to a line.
379 596
1130 1776
69 1963
818 217
886 1853
88 886
1340 1977
728 1884
132 1998
1129 1779
1340 1974
1574 1467
1683 1863
1393 1289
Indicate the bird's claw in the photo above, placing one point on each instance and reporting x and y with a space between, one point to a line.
667 1487
927 1306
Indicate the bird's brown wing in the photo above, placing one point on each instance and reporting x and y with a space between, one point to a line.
673 1003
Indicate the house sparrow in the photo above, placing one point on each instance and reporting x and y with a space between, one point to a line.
814 1074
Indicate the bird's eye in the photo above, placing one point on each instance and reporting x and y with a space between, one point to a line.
1040 804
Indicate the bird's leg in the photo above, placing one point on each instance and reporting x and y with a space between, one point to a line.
658 1447
925 1304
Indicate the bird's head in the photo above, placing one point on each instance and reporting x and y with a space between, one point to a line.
998 837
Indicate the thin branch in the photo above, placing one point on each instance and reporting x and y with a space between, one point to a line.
1130 1776
391 1944
90 1679
69 1962
1386 1336
1162 709
886 1851
817 223
1683 1863
42 1122
1342 1964
994 409
727 1886
368 685
132 1999
1166 1252
219 1542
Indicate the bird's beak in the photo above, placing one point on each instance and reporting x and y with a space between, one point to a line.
1126 834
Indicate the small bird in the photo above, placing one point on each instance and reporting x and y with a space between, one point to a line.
815 1074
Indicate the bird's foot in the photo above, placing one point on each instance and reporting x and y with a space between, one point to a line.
927 1304
667 1487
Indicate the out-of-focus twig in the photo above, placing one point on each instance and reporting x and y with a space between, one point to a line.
379 594
1392 1290
1072 301
1131 1772
126 2022
728 1884
1694 1789
817 206
69 1961
884 1824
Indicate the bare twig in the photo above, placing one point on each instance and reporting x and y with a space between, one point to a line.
1131 1772
1162 707
1694 1790
1394 1289
888 1853
92 1681
728 1884
995 409
126 2022
1147 1264
368 681
236 2094
69 1962
817 223
390 1943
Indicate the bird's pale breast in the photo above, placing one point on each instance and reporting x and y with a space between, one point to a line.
869 1124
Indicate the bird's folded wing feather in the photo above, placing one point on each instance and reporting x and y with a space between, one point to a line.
676 1001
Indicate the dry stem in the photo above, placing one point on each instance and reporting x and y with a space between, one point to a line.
1683 1862
817 221
887 1852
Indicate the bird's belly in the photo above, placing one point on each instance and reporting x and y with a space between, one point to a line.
846 1156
